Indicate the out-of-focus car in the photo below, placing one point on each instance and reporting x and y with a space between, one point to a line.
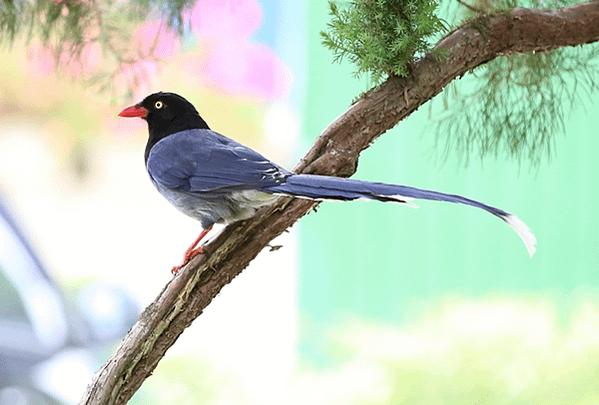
51 345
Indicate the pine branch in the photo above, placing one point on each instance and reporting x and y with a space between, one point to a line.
381 37
335 152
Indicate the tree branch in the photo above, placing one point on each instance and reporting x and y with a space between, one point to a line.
336 153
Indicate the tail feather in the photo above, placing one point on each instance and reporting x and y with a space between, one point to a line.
342 189
529 239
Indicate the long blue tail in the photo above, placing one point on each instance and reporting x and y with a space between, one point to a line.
342 189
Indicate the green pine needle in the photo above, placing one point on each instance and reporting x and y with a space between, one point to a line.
381 37
515 106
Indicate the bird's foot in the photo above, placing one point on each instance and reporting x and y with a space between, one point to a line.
192 251
176 269
189 254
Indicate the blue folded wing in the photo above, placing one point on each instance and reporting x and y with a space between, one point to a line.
204 162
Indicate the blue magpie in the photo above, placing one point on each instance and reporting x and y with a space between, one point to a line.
216 180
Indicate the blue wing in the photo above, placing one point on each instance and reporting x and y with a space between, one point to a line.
205 163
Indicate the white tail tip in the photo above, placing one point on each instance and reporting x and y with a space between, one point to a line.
524 232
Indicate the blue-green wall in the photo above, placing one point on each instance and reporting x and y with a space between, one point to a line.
380 260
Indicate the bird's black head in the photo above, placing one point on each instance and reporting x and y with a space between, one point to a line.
166 114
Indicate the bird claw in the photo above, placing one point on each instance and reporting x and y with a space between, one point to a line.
189 254
192 251
176 269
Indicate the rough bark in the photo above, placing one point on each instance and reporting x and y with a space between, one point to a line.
335 152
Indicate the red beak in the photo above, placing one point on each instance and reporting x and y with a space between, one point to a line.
134 111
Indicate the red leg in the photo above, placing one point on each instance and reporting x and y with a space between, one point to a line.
192 251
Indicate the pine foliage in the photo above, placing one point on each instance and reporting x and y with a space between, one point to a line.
381 37
515 106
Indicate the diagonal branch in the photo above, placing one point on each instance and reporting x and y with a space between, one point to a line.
335 152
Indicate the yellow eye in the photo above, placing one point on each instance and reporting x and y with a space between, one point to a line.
158 105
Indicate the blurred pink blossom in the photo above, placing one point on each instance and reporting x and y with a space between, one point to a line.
229 62
248 70
137 76
154 39
152 42
225 18
42 60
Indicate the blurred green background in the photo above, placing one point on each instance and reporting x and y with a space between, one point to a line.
378 260
404 272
